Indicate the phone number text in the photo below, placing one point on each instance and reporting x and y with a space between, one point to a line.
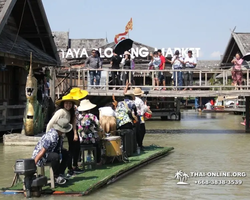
219 182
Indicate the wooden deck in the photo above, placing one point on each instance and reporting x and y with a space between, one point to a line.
172 93
202 87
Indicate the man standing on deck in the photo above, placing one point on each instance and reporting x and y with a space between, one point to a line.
94 62
115 64
190 62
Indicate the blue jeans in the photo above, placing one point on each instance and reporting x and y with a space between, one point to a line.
96 75
179 78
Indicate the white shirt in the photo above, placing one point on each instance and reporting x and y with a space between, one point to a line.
107 111
191 60
208 106
177 64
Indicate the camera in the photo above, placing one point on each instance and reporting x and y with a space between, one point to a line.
146 92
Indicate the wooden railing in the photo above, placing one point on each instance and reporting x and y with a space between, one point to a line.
4 117
201 79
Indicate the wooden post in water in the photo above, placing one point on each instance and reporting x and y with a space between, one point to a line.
52 83
247 129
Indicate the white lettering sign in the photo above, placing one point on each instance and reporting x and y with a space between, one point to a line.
135 52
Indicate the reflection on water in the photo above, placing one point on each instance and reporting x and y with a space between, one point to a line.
199 150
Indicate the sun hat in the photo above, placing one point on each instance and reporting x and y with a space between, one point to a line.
138 92
68 98
78 94
63 125
86 105
129 93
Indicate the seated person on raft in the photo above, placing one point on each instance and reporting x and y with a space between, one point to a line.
89 128
50 149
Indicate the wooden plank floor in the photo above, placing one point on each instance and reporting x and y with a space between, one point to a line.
172 93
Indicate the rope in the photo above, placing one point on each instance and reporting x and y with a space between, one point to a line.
21 20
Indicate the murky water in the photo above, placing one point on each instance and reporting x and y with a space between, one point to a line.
203 143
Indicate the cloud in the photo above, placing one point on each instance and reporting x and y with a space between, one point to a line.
216 54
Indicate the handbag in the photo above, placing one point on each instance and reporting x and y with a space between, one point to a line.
148 114
135 118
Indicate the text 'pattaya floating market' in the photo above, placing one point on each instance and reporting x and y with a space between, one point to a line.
135 52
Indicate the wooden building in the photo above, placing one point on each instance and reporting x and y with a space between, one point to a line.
24 28
238 43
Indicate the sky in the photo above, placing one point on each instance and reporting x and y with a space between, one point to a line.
161 24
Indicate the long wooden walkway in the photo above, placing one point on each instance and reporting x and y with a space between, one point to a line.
203 86
172 93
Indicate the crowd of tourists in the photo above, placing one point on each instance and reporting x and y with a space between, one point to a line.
157 62
75 120
181 78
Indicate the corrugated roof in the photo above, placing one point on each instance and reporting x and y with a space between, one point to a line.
88 44
243 41
238 42
61 40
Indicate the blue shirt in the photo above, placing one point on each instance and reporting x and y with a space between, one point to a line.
51 141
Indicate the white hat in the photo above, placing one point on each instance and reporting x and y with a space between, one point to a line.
86 105
63 125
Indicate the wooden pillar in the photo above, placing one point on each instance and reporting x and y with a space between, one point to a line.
247 114
70 78
52 83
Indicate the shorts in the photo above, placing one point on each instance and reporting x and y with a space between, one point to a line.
161 76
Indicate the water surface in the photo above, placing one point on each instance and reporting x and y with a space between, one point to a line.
203 143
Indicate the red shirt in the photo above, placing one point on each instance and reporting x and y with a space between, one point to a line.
162 62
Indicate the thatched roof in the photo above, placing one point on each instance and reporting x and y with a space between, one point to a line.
29 32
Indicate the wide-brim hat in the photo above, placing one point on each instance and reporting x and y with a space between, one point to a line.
63 125
138 92
86 105
78 94
129 93
68 98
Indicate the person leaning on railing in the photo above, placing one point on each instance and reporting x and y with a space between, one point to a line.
190 62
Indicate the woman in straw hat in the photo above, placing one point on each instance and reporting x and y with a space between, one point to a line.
73 139
66 110
141 109
89 127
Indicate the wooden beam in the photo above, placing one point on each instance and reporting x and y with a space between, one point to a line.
34 19
28 36
52 83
